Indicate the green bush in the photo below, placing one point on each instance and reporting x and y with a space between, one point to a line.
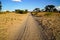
7 11
18 11
21 11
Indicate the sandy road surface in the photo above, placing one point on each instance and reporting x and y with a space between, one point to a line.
31 31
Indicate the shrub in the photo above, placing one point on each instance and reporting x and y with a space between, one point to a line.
21 11
7 11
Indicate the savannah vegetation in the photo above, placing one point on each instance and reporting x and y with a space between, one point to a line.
49 17
10 20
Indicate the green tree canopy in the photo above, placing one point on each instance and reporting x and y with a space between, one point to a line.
36 10
49 8
0 6
26 10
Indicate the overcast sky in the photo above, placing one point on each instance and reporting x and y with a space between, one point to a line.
28 4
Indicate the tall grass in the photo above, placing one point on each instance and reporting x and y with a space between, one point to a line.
7 21
48 14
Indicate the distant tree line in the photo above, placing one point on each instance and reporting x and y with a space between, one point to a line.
21 11
48 8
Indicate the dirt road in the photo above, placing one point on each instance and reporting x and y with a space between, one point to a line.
29 30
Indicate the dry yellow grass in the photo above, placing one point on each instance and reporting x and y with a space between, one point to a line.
52 21
9 20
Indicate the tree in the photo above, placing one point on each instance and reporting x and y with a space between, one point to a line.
7 11
19 11
0 6
36 10
26 11
55 10
49 8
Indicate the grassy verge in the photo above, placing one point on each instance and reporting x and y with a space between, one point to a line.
50 20
7 21
48 14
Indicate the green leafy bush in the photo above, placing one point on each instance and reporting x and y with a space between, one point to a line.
21 11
